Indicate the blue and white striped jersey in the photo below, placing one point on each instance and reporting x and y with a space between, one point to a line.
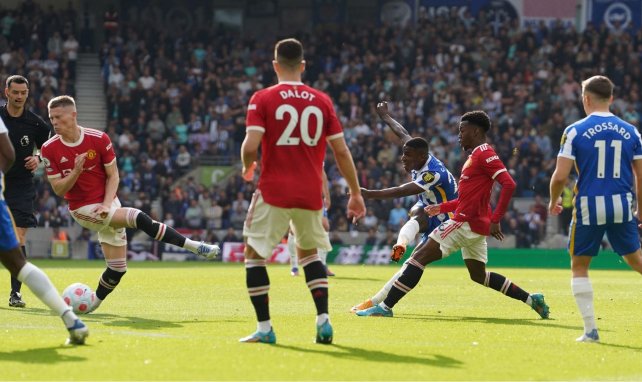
603 147
438 183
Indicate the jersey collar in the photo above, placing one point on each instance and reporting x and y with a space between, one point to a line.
424 167
290 83
78 142
471 153
602 114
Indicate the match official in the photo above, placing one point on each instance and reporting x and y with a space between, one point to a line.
27 132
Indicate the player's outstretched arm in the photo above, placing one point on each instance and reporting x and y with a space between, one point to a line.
396 127
356 205
7 154
407 189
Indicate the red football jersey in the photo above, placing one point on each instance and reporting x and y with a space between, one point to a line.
296 121
475 186
59 157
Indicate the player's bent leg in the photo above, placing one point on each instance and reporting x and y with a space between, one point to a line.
135 218
379 296
498 282
116 259
258 286
409 278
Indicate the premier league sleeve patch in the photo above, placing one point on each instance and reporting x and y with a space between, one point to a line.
428 177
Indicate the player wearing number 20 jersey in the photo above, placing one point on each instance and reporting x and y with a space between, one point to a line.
296 120
292 124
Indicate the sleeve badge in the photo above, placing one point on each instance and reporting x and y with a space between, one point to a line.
428 177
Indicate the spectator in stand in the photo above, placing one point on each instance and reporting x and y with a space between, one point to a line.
371 239
194 215
398 216
230 236
369 221
389 240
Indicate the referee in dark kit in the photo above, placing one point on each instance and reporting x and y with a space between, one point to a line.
27 132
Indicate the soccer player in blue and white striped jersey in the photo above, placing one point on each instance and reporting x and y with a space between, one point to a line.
607 154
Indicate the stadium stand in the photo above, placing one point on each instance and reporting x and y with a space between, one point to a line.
176 100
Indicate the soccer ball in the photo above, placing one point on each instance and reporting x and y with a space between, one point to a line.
79 296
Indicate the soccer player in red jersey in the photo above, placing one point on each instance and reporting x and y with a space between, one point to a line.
292 123
81 167
473 220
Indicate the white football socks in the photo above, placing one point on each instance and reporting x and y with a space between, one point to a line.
191 245
583 293
321 318
408 232
42 287
264 326
381 295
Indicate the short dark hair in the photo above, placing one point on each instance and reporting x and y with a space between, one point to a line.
417 143
289 52
16 78
600 86
478 118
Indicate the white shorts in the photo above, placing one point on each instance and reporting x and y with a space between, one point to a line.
452 236
106 234
265 226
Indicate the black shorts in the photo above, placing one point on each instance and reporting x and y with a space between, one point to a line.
20 199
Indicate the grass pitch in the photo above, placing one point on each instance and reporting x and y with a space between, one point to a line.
170 321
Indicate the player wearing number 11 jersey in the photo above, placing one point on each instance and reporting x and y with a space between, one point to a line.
292 123
607 154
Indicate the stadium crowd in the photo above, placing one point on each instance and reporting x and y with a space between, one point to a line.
177 99
42 46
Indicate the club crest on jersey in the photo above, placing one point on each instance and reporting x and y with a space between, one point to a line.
24 141
91 154
428 177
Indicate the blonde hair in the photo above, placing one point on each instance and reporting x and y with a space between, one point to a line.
61 101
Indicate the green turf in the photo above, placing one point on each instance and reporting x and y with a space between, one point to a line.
182 322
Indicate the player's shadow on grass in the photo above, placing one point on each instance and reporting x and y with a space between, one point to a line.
342 278
139 323
377 356
32 311
618 346
47 355
487 320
